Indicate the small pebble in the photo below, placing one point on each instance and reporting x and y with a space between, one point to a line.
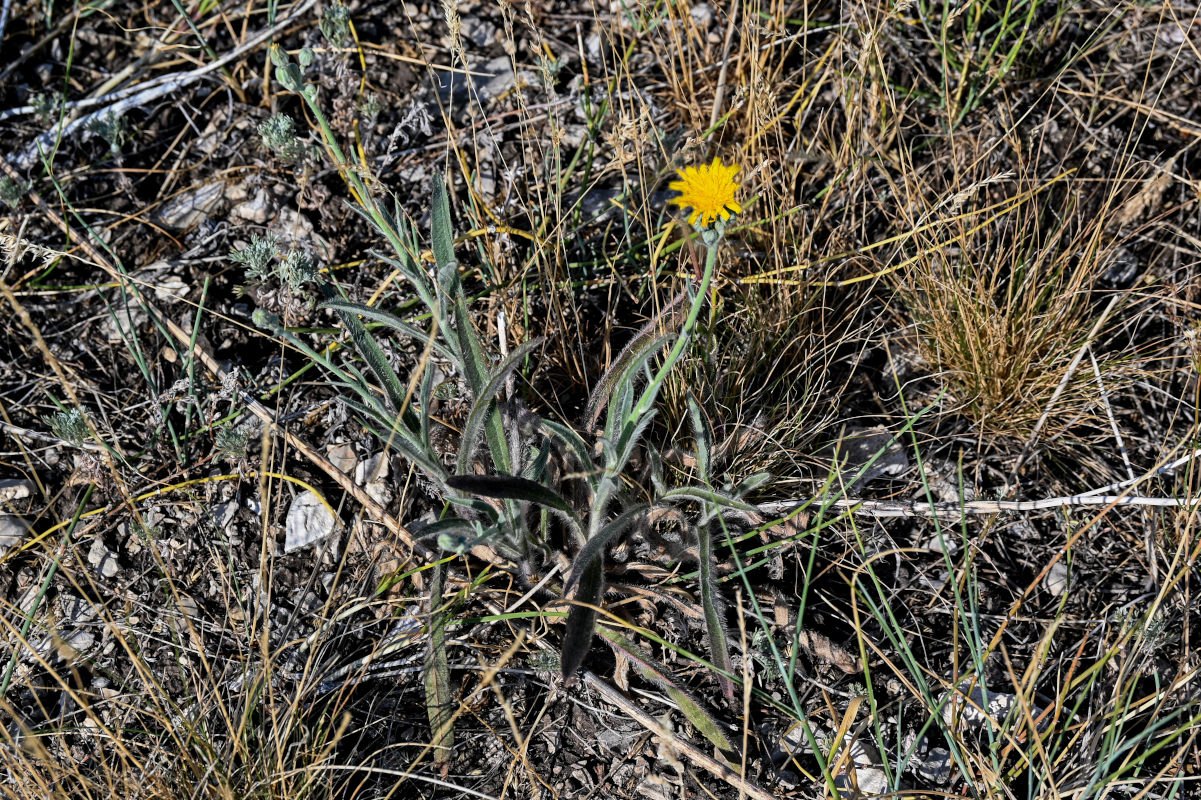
103 559
1057 579
13 531
308 521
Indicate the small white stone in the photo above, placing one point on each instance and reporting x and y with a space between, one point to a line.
343 457
942 543
1057 579
223 513
15 488
308 521
936 766
702 15
189 209
256 210
372 475
871 781
13 531
77 644
103 559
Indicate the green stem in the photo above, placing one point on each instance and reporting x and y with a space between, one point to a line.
652 389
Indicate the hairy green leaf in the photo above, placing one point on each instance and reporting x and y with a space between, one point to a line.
511 487
484 403
581 620
705 495
440 226
392 321
595 548
374 356
655 672
713 608
474 362
573 440
636 352
439 703
411 270
700 432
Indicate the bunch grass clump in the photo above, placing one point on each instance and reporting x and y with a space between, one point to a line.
1003 311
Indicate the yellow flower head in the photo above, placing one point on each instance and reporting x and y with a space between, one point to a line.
708 190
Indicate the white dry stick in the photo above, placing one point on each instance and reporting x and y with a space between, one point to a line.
954 509
1166 469
1148 535
1113 424
503 342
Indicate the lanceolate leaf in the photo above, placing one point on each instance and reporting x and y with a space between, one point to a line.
712 606
447 525
655 672
643 346
629 439
511 487
708 496
581 621
438 700
473 360
700 432
572 439
595 548
440 228
483 402
396 436
375 358
413 273
392 321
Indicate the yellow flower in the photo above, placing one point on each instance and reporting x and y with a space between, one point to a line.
708 190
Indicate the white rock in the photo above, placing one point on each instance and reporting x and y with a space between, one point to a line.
1057 579
308 521
77 644
103 559
296 230
15 488
968 708
123 321
189 209
871 781
936 766
223 513
942 543
372 474
13 531
256 210
75 609
343 457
